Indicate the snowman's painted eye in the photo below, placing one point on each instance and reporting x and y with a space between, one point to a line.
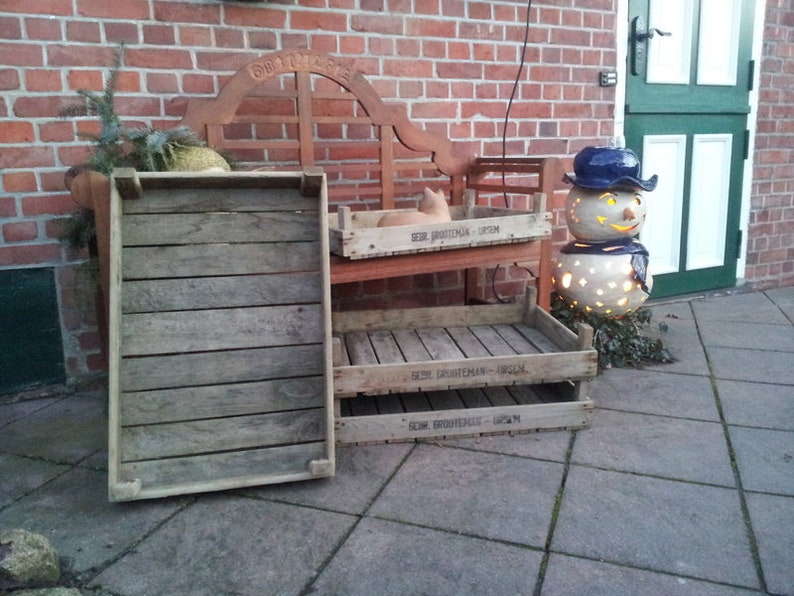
611 201
637 200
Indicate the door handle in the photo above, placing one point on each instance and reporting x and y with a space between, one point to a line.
640 34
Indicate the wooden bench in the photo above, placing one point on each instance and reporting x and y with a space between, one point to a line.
296 109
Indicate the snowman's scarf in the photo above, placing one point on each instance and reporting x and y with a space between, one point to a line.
623 246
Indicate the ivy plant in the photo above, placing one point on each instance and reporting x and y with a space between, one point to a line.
619 340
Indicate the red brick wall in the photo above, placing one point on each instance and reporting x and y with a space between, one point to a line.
460 55
770 248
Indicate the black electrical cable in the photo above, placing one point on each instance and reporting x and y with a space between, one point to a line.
504 136
510 101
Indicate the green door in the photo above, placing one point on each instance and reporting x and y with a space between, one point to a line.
687 101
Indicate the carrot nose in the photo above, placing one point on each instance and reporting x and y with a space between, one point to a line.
628 214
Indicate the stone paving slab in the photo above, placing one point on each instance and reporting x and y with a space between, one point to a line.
224 544
654 392
690 530
67 431
73 512
16 410
361 472
21 475
751 336
765 458
483 494
674 448
572 575
749 307
752 365
773 522
784 299
683 342
757 404
383 557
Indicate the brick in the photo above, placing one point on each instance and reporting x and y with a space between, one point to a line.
38 80
43 29
30 254
162 83
21 54
159 35
317 20
154 58
53 181
18 182
20 231
26 157
227 37
8 206
79 55
9 79
194 36
198 84
182 12
117 32
129 9
268 40
10 28
224 61
45 7
269 18
83 31
16 132
55 204
381 24
92 80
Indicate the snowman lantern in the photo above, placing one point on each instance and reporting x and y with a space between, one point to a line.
605 269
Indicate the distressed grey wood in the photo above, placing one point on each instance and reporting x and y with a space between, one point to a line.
163 262
193 293
193 370
239 399
235 469
203 228
222 350
158 441
224 329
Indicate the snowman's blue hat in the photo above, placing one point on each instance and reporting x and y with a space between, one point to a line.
605 167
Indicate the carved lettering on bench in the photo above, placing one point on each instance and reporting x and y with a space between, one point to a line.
299 61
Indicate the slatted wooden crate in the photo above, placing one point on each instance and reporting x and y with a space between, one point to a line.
356 235
460 371
220 332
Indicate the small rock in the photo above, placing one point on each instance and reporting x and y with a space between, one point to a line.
26 560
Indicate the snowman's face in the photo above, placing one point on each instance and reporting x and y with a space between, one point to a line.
610 214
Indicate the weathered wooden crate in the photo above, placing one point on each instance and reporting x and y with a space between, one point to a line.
356 235
219 332
459 371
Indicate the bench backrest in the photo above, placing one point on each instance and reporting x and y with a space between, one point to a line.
293 109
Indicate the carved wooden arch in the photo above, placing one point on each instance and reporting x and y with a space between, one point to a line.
205 116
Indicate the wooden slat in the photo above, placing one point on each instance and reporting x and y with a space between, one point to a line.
537 339
214 401
468 342
439 344
447 374
229 470
161 262
446 316
192 370
493 342
206 228
203 200
221 292
427 425
158 441
224 329
385 346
